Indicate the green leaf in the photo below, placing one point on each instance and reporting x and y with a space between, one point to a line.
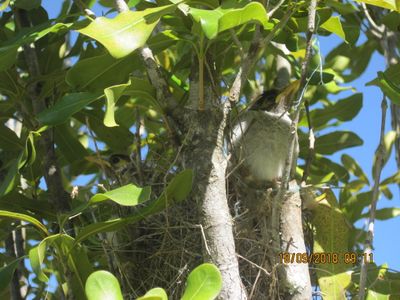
10 180
7 272
99 72
215 21
154 294
343 110
331 236
102 285
127 195
336 141
388 142
391 20
127 31
66 107
334 25
177 191
352 166
28 4
203 283
113 93
319 78
389 4
384 213
389 83
8 51
4 5
68 143
9 140
67 250
25 218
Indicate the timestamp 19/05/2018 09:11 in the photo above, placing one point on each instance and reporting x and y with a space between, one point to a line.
325 258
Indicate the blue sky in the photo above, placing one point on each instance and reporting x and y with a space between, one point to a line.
367 126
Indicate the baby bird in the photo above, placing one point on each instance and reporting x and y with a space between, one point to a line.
260 140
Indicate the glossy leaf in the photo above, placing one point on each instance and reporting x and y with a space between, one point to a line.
389 4
389 83
25 218
73 255
113 93
102 285
343 110
336 141
215 21
99 72
334 25
176 191
127 31
203 283
8 51
66 107
127 195
353 167
154 294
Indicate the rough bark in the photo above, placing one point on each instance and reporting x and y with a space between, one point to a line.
296 275
204 153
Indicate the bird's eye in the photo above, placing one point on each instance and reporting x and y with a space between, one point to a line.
114 160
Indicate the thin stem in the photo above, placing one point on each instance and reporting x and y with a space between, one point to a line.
276 208
379 162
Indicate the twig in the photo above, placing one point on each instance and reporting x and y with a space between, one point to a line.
311 147
86 10
255 265
375 194
275 8
138 142
378 29
163 95
251 57
277 204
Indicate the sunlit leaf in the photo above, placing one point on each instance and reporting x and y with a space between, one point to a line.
154 294
23 217
203 283
127 195
215 21
127 31
102 285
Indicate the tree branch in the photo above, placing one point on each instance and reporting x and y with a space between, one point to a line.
375 194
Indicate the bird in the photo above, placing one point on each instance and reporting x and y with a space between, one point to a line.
260 140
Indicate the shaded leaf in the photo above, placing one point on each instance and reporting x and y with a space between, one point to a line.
25 218
336 141
66 107
389 83
99 72
352 166
331 236
7 272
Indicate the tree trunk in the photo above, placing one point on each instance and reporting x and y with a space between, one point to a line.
204 154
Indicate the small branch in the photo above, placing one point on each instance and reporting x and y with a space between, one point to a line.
274 9
302 85
138 142
377 31
311 147
375 194
251 57
121 5
85 10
